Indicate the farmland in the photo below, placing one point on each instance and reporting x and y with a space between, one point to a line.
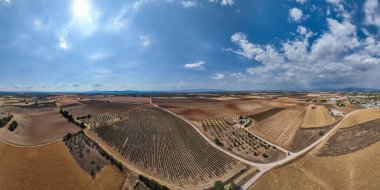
163 145
344 161
279 126
197 109
49 167
317 116
36 126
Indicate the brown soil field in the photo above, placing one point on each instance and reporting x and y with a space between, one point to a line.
350 171
281 127
197 109
37 128
361 116
265 114
124 99
95 107
351 139
317 116
166 147
49 167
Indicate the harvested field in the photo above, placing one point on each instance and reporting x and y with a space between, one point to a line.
306 136
361 116
95 107
49 167
352 171
123 99
317 116
351 139
265 114
197 109
38 128
70 105
164 146
281 127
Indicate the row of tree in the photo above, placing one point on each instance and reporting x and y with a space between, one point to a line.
5 120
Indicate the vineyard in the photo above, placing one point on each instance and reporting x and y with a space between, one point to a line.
281 127
351 139
95 107
165 146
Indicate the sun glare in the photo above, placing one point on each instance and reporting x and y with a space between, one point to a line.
81 8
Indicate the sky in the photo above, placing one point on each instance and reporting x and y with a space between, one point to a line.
85 45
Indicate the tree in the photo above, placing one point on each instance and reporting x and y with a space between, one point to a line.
233 186
218 185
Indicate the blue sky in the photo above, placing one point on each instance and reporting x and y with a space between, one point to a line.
84 45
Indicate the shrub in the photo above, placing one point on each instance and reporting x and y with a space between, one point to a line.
151 184
218 185
13 126
233 186
217 141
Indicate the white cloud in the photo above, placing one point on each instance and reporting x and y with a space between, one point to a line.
335 2
372 12
224 2
336 57
218 76
189 4
295 14
145 41
302 30
5 2
62 43
196 66
37 24
301 1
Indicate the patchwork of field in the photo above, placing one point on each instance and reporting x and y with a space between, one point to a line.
95 107
123 99
317 116
352 169
50 167
36 126
279 125
197 109
163 145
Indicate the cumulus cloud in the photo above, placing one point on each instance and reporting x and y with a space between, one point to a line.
295 14
301 1
196 66
224 2
336 57
372 12
218 76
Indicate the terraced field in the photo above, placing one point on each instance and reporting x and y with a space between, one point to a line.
165 146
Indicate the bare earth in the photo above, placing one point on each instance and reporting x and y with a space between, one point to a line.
38 128
350 171
361 116
25 168
317 116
